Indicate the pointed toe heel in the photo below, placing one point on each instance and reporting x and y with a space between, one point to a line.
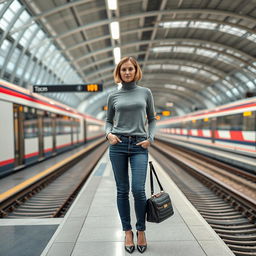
141 248
129 248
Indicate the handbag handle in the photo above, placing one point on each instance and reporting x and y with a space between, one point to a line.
152 170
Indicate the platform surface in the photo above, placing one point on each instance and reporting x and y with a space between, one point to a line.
92 226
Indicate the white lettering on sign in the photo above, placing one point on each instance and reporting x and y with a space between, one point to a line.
41 89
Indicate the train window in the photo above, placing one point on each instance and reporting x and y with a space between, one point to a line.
206 123
196 124
184 125
76 126
231 122
64 124
249 121
48 125
30 123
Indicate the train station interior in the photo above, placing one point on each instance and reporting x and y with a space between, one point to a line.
57 64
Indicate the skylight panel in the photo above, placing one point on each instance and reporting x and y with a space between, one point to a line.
251 85
229 85
174 24
203 24
174 87
210 26
162 49
235 91
203 72
5 47
232 30
184 49
170 67
189 69
38 39
207 53
229 94
27 35
226 59
154 66
213 77
252 37
252 69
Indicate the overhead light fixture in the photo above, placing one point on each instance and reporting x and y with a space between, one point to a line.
112 4
169 104
117 55
114 28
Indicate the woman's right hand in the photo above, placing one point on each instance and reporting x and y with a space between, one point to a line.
113 139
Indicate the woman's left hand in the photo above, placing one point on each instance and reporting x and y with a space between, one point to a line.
144 143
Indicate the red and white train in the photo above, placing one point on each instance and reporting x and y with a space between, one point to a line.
229 127
34 127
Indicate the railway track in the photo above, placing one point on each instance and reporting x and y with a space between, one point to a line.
230 213
53 194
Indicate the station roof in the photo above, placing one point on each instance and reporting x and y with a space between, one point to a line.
194 54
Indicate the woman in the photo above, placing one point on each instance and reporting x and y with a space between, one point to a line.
129 109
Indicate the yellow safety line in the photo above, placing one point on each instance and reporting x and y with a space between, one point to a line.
31 180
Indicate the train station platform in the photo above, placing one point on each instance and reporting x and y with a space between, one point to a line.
92 227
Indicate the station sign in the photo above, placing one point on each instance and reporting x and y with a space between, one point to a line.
68 88
166 113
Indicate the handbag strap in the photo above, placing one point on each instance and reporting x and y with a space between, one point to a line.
152 170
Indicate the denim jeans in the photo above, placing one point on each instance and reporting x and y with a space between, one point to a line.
120 154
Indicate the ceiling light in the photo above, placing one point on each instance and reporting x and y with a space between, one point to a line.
117 55
114 28
112 4
169 104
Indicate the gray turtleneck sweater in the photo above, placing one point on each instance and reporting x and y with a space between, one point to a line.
129 110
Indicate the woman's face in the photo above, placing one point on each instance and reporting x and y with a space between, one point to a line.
127 72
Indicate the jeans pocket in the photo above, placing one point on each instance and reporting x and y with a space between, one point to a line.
140 140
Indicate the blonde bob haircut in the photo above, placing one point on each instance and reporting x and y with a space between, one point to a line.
138 72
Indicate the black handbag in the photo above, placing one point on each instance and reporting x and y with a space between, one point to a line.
159 206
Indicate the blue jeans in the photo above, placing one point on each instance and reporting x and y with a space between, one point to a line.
120 154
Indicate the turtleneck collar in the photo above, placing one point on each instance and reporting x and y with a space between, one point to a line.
128 86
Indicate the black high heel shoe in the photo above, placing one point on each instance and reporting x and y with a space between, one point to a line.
129 248
141 248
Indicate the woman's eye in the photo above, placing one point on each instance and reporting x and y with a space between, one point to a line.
130 69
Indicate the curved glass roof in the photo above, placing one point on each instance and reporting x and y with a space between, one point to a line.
204 51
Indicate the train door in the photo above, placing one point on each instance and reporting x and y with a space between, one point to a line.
71 123
53 117
18 134
254 129
213 128
85 133
77 130
40 115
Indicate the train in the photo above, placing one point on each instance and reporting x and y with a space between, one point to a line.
230 127
34 127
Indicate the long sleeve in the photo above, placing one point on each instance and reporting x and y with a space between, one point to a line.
151 116
110 115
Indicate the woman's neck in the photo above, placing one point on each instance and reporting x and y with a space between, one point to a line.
129 86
